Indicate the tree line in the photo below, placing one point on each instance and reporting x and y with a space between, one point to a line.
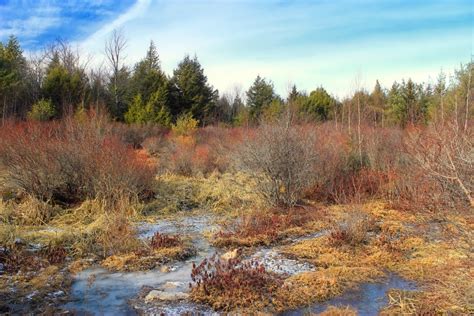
58 82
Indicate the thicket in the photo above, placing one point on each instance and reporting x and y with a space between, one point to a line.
66 162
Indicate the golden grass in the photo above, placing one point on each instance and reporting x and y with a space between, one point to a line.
435 250
338 311
147 261
218 193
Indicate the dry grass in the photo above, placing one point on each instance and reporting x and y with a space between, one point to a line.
433 250
338 311
265 227
158 250
137 261
309 287
218 193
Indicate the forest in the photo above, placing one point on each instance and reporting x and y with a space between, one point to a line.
127 190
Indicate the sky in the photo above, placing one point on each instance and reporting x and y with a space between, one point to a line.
340 45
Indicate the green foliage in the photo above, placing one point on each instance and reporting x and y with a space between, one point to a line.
65 87
193 92
148 76
242 117
185 125
43 110
13 69
259 95
377 103
118 87
318 105
273 111
154 111
408 103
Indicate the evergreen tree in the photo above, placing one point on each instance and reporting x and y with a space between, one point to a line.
192 93
12 77
43 110
397 112
118 87
66 87
259 96
135 111
377 103
148 76
293 95
319 105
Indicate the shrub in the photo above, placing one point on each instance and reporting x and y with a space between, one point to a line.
353 231
282 159
68 162
207 150
43 110
345 175
15 258
159 240
446 154
233 284
136 134
55 254
185 125
262 227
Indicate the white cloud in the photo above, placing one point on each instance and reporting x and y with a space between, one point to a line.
309 44
134 12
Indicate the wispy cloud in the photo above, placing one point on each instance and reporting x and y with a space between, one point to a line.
310 43
36 23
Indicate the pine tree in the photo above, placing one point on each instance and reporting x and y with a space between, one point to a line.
294 94
259 96
397 106
135 111
12 76
194 94
377 103
319 105
148 76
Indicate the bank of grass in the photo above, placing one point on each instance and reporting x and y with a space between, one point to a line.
264 227
217 193
433 252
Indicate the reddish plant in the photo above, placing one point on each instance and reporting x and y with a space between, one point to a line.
54 254
262 227
159 240
15 258
70 161
232 284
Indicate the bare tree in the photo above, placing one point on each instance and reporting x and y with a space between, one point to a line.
468 94
281 158
114 52
446 154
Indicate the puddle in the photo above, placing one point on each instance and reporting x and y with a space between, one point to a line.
96 291
368 299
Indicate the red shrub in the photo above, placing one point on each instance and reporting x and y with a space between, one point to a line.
70 161
259 228
164 241
233 284
208 150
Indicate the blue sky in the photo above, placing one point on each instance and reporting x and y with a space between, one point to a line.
307 43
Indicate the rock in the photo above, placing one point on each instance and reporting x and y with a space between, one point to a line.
165 296
233 254
165 269
172 285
